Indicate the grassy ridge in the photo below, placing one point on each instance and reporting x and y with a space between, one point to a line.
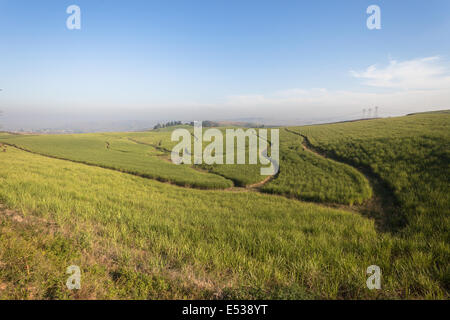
117 151
242 175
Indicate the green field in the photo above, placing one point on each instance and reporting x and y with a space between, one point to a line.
124 154
100 206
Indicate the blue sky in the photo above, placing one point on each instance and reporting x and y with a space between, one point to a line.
223 59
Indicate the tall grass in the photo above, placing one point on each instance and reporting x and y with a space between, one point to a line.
139 238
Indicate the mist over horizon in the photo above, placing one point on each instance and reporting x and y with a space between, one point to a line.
78 123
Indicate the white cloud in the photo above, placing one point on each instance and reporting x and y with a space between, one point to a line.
414 85
417 74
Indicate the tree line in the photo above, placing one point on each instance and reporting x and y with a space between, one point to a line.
167 124
205 123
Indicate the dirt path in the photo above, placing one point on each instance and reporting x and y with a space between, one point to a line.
267 179
383 207
260 184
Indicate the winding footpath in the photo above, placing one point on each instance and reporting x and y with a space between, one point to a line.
383 207
256 185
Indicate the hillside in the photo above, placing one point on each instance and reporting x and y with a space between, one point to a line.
376 192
